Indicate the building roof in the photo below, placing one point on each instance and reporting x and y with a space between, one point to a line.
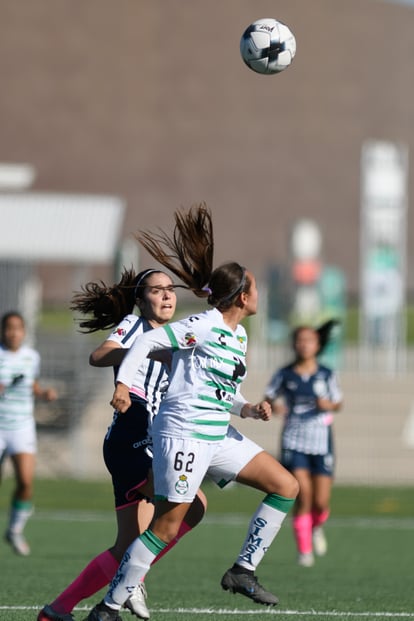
65 228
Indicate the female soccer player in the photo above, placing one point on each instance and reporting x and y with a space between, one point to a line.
307 393
126 442
19 386
189 432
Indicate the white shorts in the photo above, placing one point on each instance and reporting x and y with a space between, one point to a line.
236 451
14 441
181 464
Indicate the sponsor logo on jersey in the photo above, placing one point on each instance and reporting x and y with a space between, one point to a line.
143 442
119 332
189 339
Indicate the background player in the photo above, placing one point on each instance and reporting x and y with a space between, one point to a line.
307 393
19 386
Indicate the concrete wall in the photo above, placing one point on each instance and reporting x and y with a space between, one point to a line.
151 101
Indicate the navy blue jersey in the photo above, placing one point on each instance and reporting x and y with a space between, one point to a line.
306 427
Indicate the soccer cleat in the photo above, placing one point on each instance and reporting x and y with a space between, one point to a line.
247 584
48 614
18 543
320 545
102 612
305 559
136 603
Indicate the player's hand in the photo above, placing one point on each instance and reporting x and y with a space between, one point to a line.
260 411
324 404
50 394
121 400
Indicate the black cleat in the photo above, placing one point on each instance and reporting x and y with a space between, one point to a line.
102 612
247 584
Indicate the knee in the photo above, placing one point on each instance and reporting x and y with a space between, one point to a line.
197 510
291 487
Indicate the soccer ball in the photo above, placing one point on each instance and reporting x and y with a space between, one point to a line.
267 46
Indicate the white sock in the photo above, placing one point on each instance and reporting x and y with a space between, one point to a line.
133 567
19 516
263 528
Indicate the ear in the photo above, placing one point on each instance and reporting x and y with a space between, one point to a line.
242 299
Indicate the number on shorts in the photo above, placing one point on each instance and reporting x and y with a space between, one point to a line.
180 463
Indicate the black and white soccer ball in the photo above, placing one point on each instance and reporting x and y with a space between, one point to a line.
268 46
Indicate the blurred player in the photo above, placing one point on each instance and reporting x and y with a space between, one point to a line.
127 441
307 393
19 386
191 433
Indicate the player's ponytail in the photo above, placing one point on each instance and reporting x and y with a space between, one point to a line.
106 305
188 252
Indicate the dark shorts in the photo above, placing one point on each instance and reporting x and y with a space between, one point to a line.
315 464
125 455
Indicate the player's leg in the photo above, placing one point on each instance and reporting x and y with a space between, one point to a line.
129 467
179 467
131 521
302 516
323 473
100 570
263 472
244 461
22 501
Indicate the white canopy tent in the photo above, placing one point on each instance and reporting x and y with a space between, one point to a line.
57 228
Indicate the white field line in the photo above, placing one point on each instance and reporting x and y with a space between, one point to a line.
232 520
332 614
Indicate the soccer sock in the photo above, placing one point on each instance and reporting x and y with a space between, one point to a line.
263 528
134 565
183 530
319 517
97 574
20 512
302 528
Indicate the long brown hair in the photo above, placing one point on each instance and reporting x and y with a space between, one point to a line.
108 305
188 253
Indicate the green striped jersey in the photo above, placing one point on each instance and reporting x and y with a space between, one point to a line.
18 371
208 366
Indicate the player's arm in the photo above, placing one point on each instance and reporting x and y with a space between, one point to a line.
332 401
274 394
108 354
262 411
326 405
241 407
46 394
153 341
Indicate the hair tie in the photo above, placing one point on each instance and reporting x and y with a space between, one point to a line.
207 290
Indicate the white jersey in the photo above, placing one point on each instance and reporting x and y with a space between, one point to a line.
151 377
208 365
18 372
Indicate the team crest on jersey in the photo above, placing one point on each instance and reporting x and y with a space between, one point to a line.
189 339
119 332
181 487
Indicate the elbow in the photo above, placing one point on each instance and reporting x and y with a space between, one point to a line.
94 360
